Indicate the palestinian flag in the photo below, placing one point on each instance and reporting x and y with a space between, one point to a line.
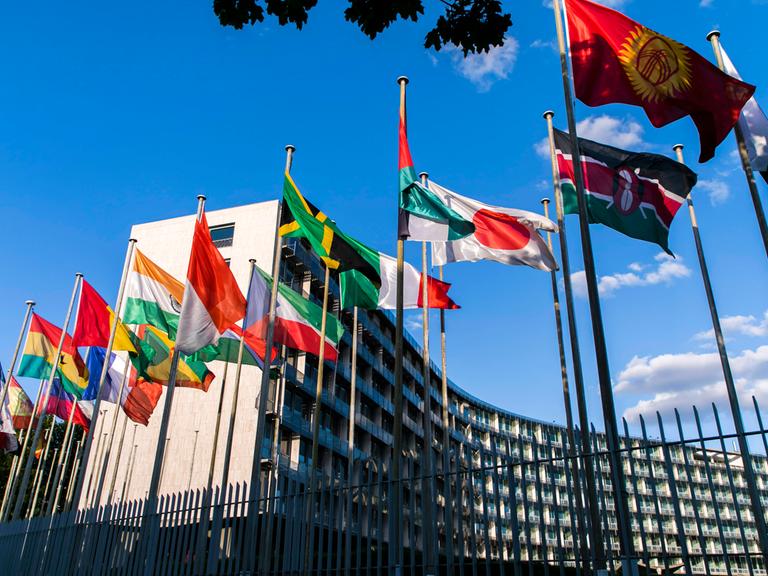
617 60
338 251
40 352
212 301
152 296
297 320
637 194
423 216
505 235
357 290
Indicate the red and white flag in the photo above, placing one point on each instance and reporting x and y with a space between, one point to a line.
212 300
504 235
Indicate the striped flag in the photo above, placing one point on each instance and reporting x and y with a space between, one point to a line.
212 301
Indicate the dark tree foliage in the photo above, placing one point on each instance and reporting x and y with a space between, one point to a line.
472 25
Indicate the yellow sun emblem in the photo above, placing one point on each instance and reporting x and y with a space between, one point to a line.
657 66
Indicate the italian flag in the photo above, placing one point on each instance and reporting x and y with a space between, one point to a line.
297 320
152 296
212 301
357 290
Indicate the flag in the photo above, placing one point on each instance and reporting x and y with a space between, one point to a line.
753 124
141 400
338 251
40 352
94 322
297 320
423 216
212 301
9 443
357 290
637 194
19 405
253 348
617 60
60 403
191 372
504 235
118 364
152 296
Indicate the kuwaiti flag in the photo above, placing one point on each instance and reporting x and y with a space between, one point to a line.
297 320
212 300
357 290
504 235
753 124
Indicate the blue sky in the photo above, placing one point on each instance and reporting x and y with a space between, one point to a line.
122 113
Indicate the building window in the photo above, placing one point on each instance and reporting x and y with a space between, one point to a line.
222 235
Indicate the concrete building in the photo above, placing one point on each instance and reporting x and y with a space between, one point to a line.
696 488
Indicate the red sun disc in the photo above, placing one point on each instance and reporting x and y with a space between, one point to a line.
500 231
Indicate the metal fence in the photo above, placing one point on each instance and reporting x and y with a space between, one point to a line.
506 505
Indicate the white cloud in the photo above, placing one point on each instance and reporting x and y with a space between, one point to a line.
484 69
717 190
741 325
414 322
682 380
539 43
666 270
606 129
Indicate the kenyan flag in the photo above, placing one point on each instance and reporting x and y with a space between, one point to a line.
637 194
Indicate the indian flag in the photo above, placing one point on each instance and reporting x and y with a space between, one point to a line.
297 320
357 290
152 296
40 353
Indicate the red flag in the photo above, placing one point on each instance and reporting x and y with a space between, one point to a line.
94 323
437 295
212 300
617 60
141 401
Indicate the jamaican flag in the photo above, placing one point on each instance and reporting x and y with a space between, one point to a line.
301 219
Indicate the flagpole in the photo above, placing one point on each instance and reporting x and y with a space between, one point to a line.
446 439
714 38
583 545
601 351
107 449
119 453
11 473
236 390
255 485
88 441
396 533
40 470
212 463
316 415
24 324
733 398
73 474
351 444
19 460
64 444
429 524
54 368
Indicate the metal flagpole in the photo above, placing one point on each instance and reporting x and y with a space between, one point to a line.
316 416
19 460
73 474
40 470
154 484
583 544
733 398
96 460
601 351
395 524
236 390
428 502
255 485
27 313
39 427
714 38
351 445
107 449
595 527
118 455
446 442
212 463
11 473
88 442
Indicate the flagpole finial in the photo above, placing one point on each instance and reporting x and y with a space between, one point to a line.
30 303
132 240
548 114
545 201
78 274
290 148
423 175
713 34
252 261
201 197
677 147
402 79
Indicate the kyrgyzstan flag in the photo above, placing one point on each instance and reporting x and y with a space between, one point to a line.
212 300
617 60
